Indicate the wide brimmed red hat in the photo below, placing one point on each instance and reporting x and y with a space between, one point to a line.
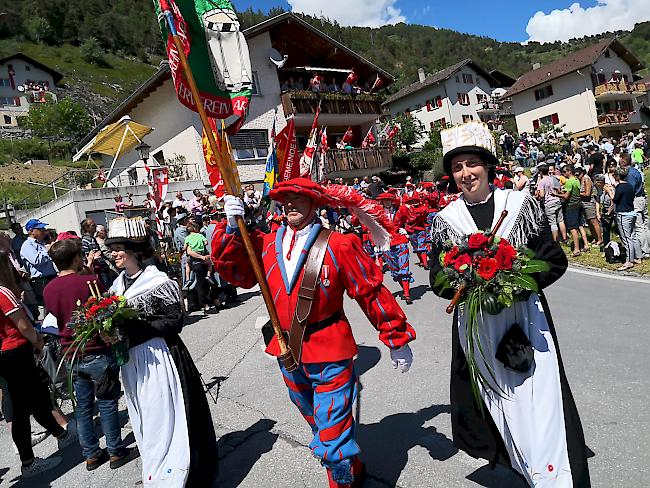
369 213
387 196
412 199
427 184
300 186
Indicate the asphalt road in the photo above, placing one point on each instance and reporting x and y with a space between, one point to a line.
404 423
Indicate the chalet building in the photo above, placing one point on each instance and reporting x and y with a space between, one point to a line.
281 89
590 91
452 96
23 82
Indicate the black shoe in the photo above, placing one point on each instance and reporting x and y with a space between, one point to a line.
131 454
94 463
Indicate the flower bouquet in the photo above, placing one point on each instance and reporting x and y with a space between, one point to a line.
100 315
489 275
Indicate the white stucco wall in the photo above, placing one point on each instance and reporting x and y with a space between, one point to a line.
572 99
451 110
607 66
177 131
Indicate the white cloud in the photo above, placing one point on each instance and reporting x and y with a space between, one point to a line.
576 21
366 13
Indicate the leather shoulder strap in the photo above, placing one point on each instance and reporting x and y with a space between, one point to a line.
307 292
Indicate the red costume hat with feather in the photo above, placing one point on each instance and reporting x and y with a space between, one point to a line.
369 213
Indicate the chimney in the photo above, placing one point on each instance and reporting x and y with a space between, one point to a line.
537 66
421 75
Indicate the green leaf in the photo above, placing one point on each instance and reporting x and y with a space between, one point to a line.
535 266
525 282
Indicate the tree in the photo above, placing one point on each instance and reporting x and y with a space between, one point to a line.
410 131
91 52
66 120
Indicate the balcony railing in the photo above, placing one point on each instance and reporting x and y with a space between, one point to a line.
621 88
342 160
304 102
615 118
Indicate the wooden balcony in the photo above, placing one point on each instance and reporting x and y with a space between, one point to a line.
304 102
358 162
618 119
619 90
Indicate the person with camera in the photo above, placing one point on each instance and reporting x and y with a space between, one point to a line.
95 374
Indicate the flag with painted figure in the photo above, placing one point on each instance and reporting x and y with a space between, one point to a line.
322 160
217 53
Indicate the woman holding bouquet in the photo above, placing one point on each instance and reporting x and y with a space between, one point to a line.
165 398
520 414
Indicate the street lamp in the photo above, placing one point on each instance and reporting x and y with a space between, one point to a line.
143 150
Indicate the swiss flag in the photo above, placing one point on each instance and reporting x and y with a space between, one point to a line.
352 77
348 136
377 84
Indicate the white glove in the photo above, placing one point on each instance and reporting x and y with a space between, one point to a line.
403 232
402 358
233 206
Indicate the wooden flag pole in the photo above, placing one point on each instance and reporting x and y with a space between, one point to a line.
286 355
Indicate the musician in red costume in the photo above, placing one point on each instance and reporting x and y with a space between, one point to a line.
324 385
416 226
397 257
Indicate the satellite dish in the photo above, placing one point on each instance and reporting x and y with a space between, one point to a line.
276 58
20 88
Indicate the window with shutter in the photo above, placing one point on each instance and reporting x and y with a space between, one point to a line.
535 124
463 98
429 107
438 101
17 101
555 119
468 78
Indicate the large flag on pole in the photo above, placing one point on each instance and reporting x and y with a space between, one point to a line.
307 158
217 53
211 165
322 160
288 153
272 170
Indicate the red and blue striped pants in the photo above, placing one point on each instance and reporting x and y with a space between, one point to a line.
397 261
324 394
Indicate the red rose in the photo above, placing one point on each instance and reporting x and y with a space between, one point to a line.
462 260
487 268
506 255
477 241
450 256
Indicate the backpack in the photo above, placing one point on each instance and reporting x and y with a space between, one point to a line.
614 253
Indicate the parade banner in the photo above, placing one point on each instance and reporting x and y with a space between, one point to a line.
322 160
288 153
216 180
369 140
217 53
160 179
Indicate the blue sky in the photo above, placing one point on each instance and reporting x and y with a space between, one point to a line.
504 20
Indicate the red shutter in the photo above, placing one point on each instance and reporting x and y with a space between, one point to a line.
443 123
438 102
555 119
535 124
429 108
17 101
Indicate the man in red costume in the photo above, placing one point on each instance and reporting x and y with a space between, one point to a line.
397 257
324 385
416 226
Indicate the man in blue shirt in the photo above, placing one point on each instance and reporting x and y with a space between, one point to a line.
37 262
635 180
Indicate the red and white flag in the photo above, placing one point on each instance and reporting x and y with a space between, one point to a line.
307 158
288 152
352 77
160 177
348 136
369 140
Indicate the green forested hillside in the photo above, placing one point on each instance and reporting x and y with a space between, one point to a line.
105 49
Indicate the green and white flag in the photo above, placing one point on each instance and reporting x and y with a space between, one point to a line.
217 53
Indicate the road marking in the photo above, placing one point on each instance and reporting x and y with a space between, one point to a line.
609 276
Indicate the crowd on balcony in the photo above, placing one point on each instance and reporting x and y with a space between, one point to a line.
320 83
